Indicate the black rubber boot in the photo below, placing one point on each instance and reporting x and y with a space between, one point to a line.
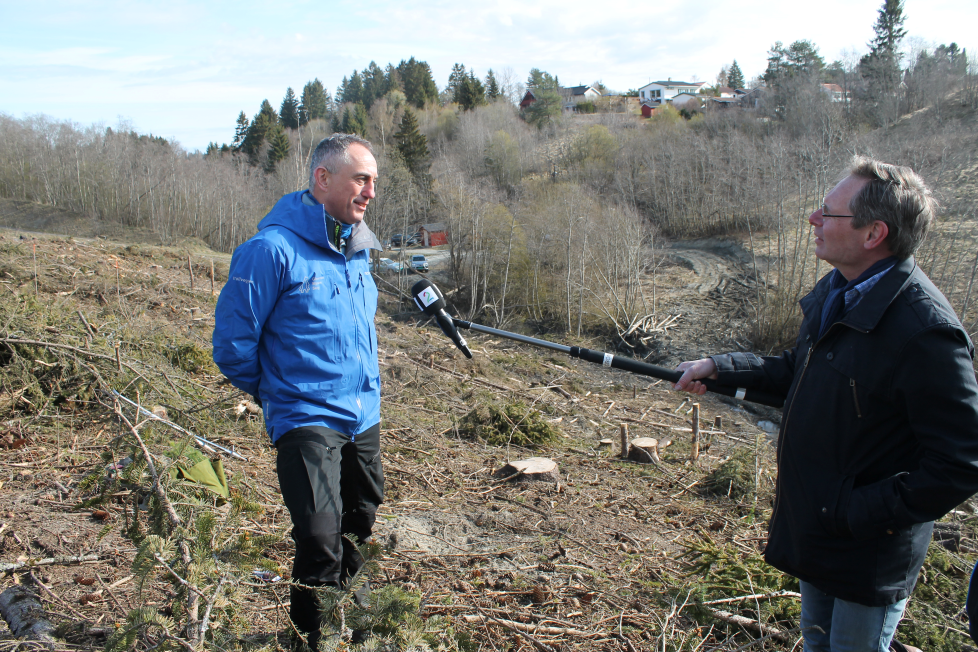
304 612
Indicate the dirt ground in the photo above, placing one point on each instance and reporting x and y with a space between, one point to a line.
614 555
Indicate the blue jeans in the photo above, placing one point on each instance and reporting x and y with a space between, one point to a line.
848 626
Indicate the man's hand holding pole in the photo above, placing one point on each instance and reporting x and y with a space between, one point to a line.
693 371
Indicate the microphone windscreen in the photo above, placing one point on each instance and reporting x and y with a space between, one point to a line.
428 297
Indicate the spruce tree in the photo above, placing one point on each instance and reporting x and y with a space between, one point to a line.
240 131
351 91
265 120
315 102
278 148
412 144
881 67
288 114
470 92
361 119
355 120
492 87
374 84
419 85
456 80
392 79
735 78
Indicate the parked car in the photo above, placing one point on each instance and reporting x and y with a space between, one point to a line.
386 266
419 263
408 240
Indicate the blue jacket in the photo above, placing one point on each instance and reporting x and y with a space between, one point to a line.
295 322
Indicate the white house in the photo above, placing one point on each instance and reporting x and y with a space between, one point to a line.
664 91
835 92
680 100
571 96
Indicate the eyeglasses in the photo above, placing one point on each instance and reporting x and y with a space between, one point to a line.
827 214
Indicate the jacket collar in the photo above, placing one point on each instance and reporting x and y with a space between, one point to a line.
868 312
311 223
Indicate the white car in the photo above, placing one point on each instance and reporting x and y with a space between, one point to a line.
419 263
386 266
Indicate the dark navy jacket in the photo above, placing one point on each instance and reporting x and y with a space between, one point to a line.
879 436
295 322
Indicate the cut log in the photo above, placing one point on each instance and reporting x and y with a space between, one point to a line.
644 450
24 614
534 468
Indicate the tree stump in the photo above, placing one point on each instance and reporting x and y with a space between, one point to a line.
644 450
24 614
534 468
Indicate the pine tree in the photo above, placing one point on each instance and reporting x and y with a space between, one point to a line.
351 91
470 92
278 148
546 108
355 120
315 102
492 87
735 78
240 131
265 120
456 80
362 119
392 79
541 80
881 67
288 114
419 85
374 84
412 144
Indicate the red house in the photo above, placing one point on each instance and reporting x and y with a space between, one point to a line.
434 234
649 108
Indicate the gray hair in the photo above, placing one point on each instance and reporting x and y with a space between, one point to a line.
897 196
331 152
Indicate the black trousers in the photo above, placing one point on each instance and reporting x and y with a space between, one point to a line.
332 487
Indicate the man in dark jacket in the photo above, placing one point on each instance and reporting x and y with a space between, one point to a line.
295 328
879 435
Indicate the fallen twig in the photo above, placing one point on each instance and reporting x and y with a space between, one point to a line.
47 562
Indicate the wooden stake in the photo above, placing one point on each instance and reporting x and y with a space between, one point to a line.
624 441
694 453
190 266
34 245
212 277
118 358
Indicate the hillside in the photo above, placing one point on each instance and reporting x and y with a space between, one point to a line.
617 555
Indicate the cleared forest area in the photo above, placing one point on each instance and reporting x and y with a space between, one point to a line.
102 521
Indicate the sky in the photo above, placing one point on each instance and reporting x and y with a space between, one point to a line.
184 70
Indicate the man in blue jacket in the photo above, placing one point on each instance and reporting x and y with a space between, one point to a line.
879 436
295 329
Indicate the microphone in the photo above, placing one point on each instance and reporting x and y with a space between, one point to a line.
432 303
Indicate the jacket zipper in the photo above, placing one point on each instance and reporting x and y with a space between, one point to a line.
855 398
356 330
784 423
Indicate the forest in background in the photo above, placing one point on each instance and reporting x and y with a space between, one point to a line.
558 219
